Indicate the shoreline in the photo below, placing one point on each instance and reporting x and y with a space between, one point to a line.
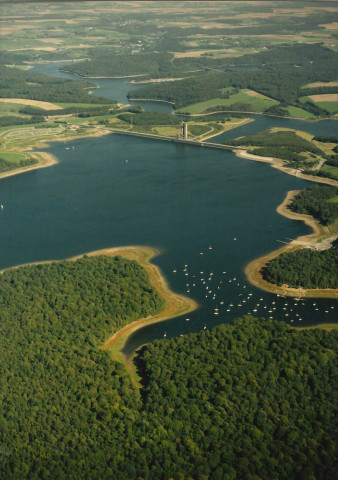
176 304
149 100
310 120
46 159
279 165
253 269
116 78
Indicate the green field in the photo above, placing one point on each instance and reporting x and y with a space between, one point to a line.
258 103
299 112
331 107
6 108
332 171
13 157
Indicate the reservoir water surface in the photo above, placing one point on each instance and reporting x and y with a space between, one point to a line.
207 211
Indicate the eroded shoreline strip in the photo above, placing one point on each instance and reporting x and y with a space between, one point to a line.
253 269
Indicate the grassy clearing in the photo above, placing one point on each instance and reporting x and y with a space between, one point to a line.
13 157
332 171
331 107
321 84
299 112
6 108
166 131
258 102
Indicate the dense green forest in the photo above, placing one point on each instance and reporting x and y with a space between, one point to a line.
250 400
9 120
15 83
286 145
164 64
79 111
279 81
315 201
155 65
304 268
5 165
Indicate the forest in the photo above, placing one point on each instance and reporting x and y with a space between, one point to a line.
278 81
304 268
254 399
147 64
309 268
286 145
315 201
15 83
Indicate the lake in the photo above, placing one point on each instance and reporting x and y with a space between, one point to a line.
207 211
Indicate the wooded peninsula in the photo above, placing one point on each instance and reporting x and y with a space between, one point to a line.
252 398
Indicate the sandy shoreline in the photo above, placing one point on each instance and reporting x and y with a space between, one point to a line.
253 269
279 165
46 159
175 304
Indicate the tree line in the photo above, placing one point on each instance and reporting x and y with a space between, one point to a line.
315 201
255 399
279 81
15 83
286 145
304 268
5 165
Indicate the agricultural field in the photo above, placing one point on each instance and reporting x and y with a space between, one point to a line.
327 101
253 101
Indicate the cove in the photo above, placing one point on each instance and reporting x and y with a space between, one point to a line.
112 88
207 211
118 88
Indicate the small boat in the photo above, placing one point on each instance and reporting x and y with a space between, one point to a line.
2 207
165 334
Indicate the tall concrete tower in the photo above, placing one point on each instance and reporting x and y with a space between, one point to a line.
184 130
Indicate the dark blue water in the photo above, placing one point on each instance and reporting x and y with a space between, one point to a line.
112 88
206 210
